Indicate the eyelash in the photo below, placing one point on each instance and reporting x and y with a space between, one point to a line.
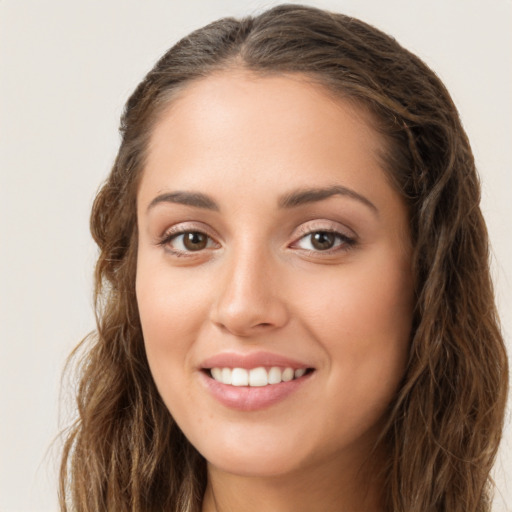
345 243
174 233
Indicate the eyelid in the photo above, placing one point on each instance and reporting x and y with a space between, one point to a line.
182 228
325 225
348 237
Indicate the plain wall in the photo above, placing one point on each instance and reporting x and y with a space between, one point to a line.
66 69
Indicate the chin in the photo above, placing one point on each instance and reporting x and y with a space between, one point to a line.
251 450
260 465
254 451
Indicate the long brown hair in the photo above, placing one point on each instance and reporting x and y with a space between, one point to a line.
125 452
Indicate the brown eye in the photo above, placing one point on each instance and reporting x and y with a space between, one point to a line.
323 240
187 242
195 241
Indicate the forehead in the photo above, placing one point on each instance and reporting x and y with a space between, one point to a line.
229 98
262 133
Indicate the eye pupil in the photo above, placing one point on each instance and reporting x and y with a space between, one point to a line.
195 241
323 240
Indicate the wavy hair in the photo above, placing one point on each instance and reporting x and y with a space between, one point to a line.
125 452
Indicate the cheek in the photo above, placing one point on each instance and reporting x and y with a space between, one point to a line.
171 315
363 318
169 302
362 300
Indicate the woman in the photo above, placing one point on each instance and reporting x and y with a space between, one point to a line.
294 303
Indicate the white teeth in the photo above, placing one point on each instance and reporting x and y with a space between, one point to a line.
274 375
217 374
287 374
256 377
239 377
226 375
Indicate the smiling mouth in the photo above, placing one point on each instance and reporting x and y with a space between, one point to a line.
256 377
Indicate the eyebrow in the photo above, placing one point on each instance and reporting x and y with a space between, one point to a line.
312 195
290 200
196 199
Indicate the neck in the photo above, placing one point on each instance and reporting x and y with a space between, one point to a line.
329 488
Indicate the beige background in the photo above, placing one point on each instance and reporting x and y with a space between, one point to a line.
66 68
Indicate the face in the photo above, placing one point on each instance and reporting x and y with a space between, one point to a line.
274 274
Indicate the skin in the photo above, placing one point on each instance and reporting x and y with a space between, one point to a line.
259 284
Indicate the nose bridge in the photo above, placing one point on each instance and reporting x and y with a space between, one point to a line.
249 299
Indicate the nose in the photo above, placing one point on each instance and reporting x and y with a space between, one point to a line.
250 300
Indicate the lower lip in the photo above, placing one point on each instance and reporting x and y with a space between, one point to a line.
246 398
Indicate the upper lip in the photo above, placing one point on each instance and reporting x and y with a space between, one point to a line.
251 360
